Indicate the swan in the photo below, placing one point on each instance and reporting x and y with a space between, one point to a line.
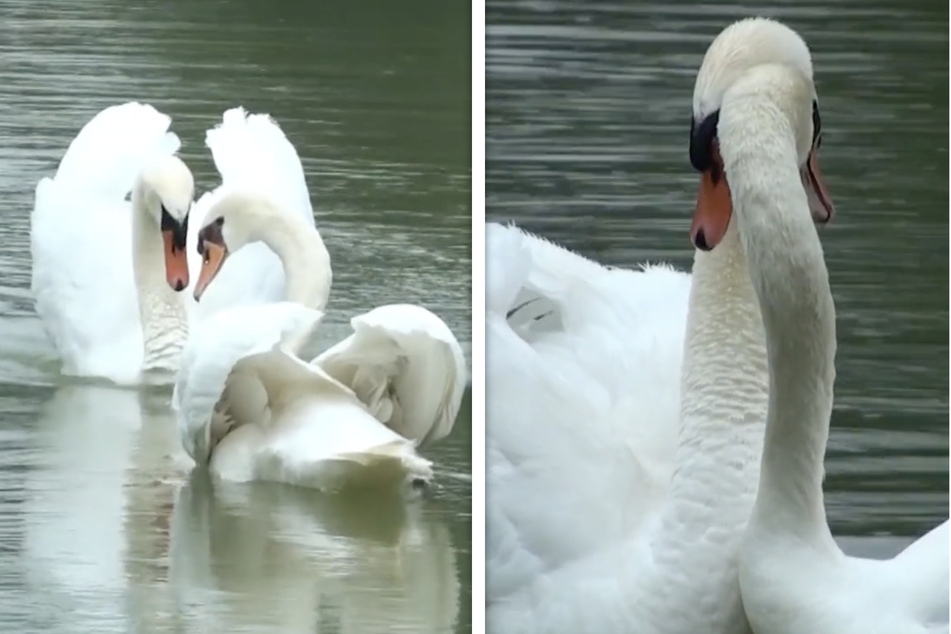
107 272
626 409
793 577
250 409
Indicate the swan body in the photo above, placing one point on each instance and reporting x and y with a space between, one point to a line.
98 277
92 250
280 419
793 577
250 409
626 423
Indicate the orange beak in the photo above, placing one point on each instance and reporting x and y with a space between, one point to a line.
215 255
176 262
714 208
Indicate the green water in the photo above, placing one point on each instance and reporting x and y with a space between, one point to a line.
101 527
587 121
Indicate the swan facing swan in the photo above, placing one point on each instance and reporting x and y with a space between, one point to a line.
110 304
250 409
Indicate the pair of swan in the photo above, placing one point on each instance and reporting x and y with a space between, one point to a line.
223 307
114 233
655 440
250 409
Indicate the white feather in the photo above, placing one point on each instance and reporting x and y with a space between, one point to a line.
405 365
80 234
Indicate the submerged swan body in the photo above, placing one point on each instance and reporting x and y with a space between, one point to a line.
626 422
250 409
110 274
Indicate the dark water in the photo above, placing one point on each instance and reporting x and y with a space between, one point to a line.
587 121
101 527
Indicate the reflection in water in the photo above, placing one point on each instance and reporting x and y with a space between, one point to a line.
375 98
118 535
289 559
102 474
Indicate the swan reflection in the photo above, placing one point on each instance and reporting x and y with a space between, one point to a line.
288 559
119 534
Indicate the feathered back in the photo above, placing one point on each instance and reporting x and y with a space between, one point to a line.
213 350
112 149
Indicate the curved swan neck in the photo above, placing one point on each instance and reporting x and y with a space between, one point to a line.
300 248
789 276
724 387
161 310
724 379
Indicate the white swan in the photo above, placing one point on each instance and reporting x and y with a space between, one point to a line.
104 295
106 300
793 577
620 480
251 410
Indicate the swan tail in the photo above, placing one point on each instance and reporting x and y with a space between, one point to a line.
109 152
252 152
406 366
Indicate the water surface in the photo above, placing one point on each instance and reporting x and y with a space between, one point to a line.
587 121
102 527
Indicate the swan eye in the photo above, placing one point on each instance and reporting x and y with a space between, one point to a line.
702 138
220 221
168 223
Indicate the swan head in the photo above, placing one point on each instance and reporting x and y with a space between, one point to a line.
749 47
169 188
234 221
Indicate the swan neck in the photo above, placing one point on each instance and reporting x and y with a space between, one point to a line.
789 276
724 386
724 390
303 255
161 310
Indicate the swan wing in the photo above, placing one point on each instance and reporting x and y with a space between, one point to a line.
214 348
317 434
80 238
255 411
251 153
921 573
405 365
583 369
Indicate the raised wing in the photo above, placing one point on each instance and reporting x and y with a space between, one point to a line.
251 153
405 365
81 237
